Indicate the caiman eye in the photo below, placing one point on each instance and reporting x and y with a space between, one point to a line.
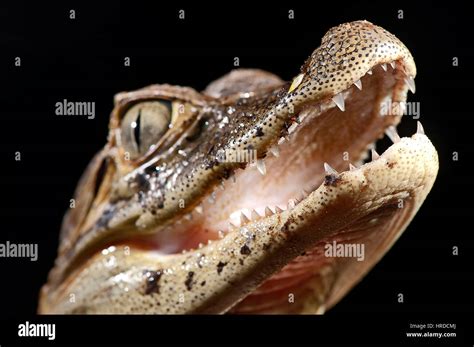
143 125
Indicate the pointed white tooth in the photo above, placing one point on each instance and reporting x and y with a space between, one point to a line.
384 66
281 140
392 133
221 185
188 216
329 170
268 212
198 209
419 128
275 151
291 204
292 128
369 72
243 219
358 84
221 234
352 167
411 84
375 155
339 101
392 64
278 210
200 245
232 226
212 198
261 166
254 215
209 242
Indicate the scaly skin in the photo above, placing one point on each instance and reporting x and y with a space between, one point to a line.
125 246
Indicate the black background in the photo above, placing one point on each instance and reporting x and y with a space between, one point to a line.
82 60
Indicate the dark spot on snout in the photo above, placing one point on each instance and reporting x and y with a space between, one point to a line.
220 266
245 250
152 281
259 132
331 180
189 280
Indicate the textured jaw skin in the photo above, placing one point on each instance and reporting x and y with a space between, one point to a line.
253 268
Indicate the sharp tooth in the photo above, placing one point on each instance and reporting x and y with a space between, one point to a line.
384 66
254 215
243 219
278 210
221 185
305 193
419 128
329 170
261 167
198 209
339 101
358 84
291 204
268 212
375 155
369 72
232 226
352 167
221 234
411 84
392 133
275 151
189 216
212 198
200 245
392 64
281 140
292 128
209 242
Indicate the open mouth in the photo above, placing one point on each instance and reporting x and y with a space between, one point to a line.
325 145
302 220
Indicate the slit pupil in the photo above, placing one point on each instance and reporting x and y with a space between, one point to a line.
136 130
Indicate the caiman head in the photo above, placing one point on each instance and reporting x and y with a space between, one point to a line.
251 196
